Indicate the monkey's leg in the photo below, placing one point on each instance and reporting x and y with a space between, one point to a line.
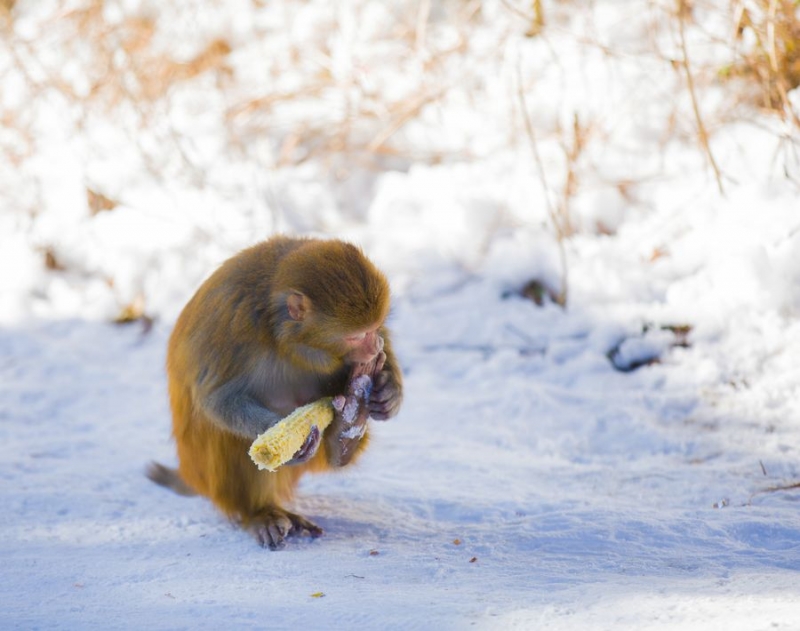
255 498
217 465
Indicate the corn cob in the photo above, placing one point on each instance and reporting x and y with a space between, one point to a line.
281 441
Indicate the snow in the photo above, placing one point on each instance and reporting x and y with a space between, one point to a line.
626 462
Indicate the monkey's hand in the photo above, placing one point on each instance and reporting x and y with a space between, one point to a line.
350 414
309 448
387 393
349 425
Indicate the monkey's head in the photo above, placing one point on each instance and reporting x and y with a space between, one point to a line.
331 302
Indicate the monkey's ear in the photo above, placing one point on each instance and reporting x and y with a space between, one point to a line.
298 305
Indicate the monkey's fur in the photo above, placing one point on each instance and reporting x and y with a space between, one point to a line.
275 327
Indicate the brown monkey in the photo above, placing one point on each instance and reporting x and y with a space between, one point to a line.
277 326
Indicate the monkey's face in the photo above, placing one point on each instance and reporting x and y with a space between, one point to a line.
352 347
331 335
322 342
363 346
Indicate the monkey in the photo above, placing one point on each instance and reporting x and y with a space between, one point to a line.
282 323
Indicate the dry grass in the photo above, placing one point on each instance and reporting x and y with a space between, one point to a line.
84 64
368 128
767 44
123 65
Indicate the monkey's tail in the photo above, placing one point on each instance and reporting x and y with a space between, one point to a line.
169 478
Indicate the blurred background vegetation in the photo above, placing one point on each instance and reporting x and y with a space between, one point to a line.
211 95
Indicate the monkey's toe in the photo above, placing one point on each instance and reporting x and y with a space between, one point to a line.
275 525
300 526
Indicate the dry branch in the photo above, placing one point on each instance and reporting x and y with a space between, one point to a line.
683 10
557 217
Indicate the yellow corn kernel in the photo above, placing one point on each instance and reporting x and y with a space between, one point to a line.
281 441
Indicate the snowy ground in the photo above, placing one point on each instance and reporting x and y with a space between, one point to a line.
528 482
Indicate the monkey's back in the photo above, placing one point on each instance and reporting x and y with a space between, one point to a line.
226 317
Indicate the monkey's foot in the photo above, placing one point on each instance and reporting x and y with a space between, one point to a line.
272 526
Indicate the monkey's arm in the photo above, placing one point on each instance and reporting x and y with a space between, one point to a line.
232 407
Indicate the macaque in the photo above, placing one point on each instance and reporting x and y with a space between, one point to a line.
279 325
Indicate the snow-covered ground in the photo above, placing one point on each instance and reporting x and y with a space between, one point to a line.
626 462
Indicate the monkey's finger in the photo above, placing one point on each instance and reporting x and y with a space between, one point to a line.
379 362
380 411
380 380
308 448
385 405
381 397
379 416
382 394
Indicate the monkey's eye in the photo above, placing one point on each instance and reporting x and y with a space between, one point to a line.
358 337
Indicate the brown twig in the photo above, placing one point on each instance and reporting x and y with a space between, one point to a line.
558 224
701 128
